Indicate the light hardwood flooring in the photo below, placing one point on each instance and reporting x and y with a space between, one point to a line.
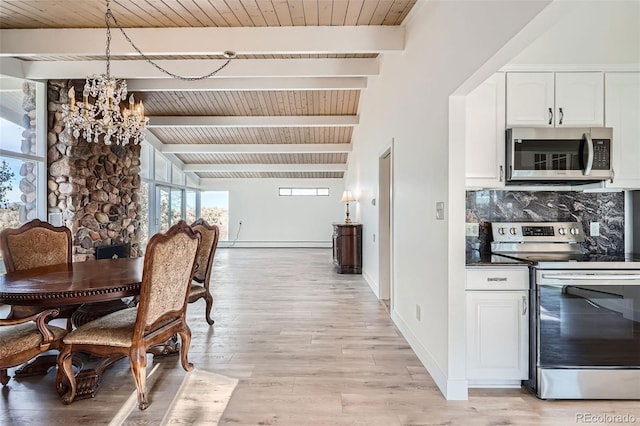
309 347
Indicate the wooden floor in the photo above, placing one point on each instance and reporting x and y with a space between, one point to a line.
309 347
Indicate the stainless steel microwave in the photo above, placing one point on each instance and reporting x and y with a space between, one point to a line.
550 155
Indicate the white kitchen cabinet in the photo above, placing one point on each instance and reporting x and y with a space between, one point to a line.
485 133
561 99
497 327
530 99
622 109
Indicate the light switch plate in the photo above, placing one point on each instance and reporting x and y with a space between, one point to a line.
440 210
472 229
594 229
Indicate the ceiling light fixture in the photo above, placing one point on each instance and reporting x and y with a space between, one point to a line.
103 120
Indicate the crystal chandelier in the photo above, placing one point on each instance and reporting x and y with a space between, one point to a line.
103 119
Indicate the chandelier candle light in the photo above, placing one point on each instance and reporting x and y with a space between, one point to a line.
347 197
104 118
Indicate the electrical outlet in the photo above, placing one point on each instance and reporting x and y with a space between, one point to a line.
472 229
440 210
418 313
594 229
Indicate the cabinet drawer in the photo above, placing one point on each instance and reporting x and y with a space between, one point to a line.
497 279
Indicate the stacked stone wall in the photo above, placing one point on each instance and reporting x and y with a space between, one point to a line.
94 186
28 171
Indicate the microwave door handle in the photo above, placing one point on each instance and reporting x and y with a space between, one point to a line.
589 165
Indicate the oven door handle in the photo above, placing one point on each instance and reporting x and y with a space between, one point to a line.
592 277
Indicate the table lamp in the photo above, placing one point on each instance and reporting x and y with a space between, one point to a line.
347 197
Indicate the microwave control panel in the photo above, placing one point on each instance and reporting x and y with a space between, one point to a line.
601 154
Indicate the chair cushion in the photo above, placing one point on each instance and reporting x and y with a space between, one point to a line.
115 329
21 337
197 290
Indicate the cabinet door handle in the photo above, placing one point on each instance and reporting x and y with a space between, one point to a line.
550 115
501 173
561 116
613 175
524 305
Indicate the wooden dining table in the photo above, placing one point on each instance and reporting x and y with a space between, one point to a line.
72 284
96 285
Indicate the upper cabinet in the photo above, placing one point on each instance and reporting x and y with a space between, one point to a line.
484 134
561 99
622 102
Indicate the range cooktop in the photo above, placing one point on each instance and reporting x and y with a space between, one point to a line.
553 245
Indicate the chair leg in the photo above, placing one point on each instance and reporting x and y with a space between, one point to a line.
65 379
185 338
138 362
4 377
209 300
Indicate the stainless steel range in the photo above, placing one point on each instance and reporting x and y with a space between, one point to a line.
585 322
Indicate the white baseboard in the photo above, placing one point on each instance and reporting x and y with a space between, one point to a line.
493 384
437 373
374 286
275 244
452 389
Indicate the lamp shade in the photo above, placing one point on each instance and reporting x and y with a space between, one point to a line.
347 197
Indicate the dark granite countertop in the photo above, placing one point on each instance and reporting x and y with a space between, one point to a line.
476 258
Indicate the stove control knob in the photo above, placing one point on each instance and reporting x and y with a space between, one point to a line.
513 231
574 231
562 231
502 231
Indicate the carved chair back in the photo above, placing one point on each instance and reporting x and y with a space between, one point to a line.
35 244
168 267
208 245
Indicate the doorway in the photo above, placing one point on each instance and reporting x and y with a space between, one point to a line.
384 231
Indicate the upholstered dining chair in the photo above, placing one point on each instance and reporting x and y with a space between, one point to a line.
204 264
35 244
168 267
25 338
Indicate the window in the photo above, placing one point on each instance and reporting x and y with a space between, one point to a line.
162 167
215 210
22 163
176 205
177 177
191 213
293 192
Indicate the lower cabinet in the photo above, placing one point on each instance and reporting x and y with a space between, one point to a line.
347 248
498 330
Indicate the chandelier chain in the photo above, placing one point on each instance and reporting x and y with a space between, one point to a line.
108 48
109 15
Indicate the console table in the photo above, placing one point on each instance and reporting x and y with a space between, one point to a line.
347 247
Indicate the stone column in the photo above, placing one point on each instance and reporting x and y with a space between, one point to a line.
94 186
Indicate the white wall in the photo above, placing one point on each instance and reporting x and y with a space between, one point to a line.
596 32
446 43
269 220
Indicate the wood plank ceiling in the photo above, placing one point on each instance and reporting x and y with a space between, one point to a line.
285 107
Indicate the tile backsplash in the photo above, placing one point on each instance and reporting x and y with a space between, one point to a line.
606 208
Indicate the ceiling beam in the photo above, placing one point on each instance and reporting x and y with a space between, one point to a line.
246 84
204 40
162 121
338 167
12 67
270 148
137 68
